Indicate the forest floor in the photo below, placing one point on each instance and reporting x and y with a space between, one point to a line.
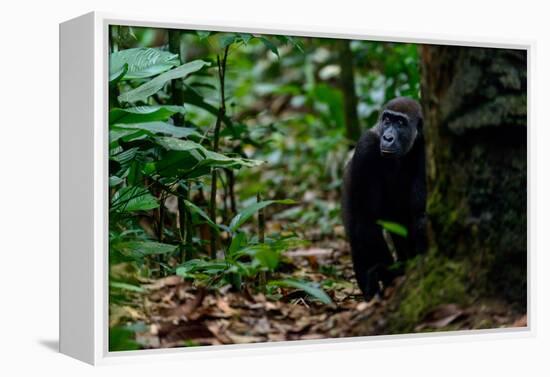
174 313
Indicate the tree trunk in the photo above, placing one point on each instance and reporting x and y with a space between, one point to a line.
475 108
347 83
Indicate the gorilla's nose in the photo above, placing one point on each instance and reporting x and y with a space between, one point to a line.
388 138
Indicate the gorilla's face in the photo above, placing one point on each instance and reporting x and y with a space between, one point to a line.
397 133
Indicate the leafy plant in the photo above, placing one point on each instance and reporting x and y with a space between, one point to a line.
309 288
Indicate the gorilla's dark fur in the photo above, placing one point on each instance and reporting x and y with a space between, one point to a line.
386 181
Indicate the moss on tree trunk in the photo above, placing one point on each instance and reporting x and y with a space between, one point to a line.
475 107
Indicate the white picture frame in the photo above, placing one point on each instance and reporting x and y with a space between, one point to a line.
84 191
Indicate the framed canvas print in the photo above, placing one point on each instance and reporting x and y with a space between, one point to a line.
223 185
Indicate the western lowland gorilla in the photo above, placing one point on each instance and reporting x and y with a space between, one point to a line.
386 181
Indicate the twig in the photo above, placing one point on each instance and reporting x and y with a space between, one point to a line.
262 277
221 113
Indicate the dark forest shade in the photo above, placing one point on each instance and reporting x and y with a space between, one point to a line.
475 107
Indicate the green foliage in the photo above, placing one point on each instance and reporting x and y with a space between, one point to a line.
394 228
244 258
122 339
139 63
282 134
141 249
142 114
132 198
249 211
241 264
309 288
151 87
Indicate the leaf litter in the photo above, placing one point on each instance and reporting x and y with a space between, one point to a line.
177 313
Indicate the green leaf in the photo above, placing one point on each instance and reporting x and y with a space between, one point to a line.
115 181
193 208
203 34
218 160
266 255
174 164
245 37
122 339
292 41
116 134
151 87
270 45
116 76
333 100
249 211
142 114
227 39
140 249
392 227
141 62
126 156
158 128
173 144
208 159
133 198
237 243
189 268
192 97
126 286
309 288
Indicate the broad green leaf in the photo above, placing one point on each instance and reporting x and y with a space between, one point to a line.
126 286
189 268
249 211
115 77
227 39
132 198
173 144
209 159
124 157
392 227
307 287
141 62
218 160
174 164
264 254
157 128
151 87
202 214
140 249
237 242
114 180
116 134
142 114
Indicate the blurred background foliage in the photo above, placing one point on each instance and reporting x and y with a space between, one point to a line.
288 110
204 125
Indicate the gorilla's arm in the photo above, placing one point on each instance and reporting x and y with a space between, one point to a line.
362 208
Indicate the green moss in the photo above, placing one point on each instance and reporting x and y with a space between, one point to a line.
447 215
431 280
